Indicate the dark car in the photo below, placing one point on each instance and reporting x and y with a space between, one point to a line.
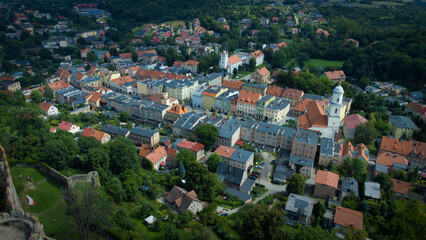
252 177
273 162
258 173
275 182
255 175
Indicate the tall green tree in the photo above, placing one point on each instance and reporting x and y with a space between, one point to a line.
36 96
185 157
208 135
365 133
122 155
205 183
263 223
296 184
213 161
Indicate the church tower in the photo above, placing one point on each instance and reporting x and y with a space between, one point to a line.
336 107
223 59
165 99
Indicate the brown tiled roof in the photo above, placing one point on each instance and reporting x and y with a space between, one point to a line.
234 59
406 148
94 97
257 53
178 109
348 150
276 91
414 106
225 151
126 55
354 120
327 178
45 106
181 198
314 117
401 186
348 217
145 150
248 97
90 132
192 63
334 75
388 159
66 126
292 93
171 153
197 147
238 85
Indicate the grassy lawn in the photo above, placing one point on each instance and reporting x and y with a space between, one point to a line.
324 63
50 204
290 229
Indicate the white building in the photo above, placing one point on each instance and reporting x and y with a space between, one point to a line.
231 63
49 109
197 96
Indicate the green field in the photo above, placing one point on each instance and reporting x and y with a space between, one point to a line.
324 63
50 204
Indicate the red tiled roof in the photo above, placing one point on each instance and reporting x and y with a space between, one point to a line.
145 150
263 71
66 126
276 91
388 159
257 53
192 63
157 154
225 151
292 93
401 186
414 106
327 178
348 217
234 59
405 148
239 143
238 85
45 106
248 97
314 117
335 75
197 147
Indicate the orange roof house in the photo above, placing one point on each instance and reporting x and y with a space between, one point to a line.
326 184
145 150
99 135
388 159
191 63
237 85
314 117
224 151
234 59
276 91
414 151
401 188
359 151
248 97
336 76
257 53
158 157
171 154
178 109
348 218
263 71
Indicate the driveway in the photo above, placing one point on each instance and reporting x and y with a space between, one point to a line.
264 173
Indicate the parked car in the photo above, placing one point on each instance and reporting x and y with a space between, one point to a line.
273 162
255 175
258 173
275 182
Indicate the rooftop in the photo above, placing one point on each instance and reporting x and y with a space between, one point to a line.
141 131
327 178
307 137
401 186
354 120
348 217
372 190
349 184
402 122
300 204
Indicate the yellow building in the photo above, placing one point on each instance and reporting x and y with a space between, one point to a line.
210 95
143 88
402 126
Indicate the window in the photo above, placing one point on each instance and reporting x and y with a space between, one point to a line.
337 99
335 111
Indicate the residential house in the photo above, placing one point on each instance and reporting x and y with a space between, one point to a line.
261 75
94 100
191 65
336 76
49 109
413 151
69 127
171 155
359 151
387 162
145 150
214 79
173 114
186 124
372 190
10 85
397 90
210 95
140 135
401 188
349 186
300 107
255 87
326 183
330 152
115 131
197 96
236 85
258 56
157 157
300 208
196 148
229 133
303 151
276 110
402 127
98 135
246 103
345 217
351 122
224 101
416 110
416 96
183 200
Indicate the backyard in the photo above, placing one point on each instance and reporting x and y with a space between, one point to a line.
324 63
49 202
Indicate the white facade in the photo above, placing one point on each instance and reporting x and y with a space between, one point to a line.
74 129
197 96
52 111
225 64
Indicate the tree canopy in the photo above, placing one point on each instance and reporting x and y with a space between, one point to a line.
207 134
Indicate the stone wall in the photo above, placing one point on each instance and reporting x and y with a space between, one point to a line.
55 175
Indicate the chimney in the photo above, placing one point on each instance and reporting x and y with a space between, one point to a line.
239 154
230 128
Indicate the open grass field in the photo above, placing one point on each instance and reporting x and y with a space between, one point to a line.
324 63
377 4
50 204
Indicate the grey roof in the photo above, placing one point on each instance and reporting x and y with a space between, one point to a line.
213 120
280 176
228 128
242 196
300 204
90 79
146 132
241 156
263 100
402 122
307 137
308 162
417 95
248 184
249 124
312 96
398 87
372 189
349 184
111 129
188 120
230 173
380 168
256 85
275 129
278 104
327 146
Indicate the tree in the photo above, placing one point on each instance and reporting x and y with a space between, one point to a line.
213 161
7 66
365 133
122 155
85 144
181 169
354 234
124 116
147 208
185 218
135 57
363 82
355 168
204 183
207 134
262 223
186 157
252 64
97 158
384 180
131 183
91 57
48 92
296 184
318 213
45 54
89 208
314 233
60 151
171 233
36 96
113 52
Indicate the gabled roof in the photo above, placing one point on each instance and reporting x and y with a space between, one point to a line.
181 198
314 117
414 106
192 63
171 153
348 217
90 132
388 159
292 93
157 154
66 126
238 85
406 148
335 75
178 109
234 59
45 106
354 120
263 71
275 91
402 122
225 151
401 186
145 150
248 97
327 178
